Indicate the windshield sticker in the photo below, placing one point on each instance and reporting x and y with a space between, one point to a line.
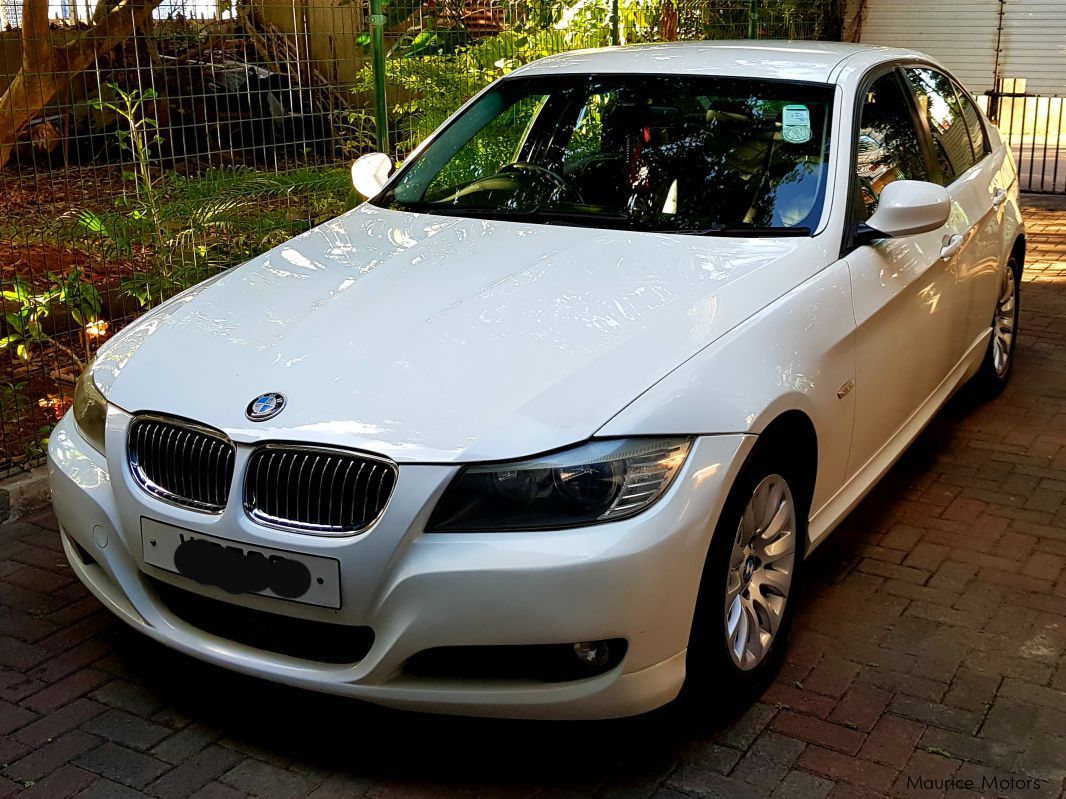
796 124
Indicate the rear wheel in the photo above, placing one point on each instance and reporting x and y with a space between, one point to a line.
996 367
744 610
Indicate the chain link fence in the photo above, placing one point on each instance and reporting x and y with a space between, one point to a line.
147 144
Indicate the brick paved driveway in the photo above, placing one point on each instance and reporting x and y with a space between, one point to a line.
931 643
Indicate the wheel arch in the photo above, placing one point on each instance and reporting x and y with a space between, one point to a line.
791 435
1017 250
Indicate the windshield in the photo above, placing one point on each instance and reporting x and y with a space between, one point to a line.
655 153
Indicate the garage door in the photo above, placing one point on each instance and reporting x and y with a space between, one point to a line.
1023 42
1030 36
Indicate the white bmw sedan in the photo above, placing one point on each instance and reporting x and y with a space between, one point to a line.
547 427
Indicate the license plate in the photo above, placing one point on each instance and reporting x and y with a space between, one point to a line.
241 568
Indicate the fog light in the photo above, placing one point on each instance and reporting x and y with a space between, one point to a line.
592 653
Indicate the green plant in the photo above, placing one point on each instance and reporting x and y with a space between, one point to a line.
130 108
25 324
12 396
186 228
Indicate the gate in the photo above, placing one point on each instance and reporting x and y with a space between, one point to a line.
1032 125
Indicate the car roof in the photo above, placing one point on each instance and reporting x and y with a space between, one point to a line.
782 60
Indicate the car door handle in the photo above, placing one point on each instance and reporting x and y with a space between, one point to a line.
951 245
999 197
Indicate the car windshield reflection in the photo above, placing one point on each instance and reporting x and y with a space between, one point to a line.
674 155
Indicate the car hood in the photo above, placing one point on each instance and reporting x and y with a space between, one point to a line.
441 339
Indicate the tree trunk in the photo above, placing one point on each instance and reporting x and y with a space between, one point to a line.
47 69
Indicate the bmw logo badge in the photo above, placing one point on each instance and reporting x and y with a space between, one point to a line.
265 406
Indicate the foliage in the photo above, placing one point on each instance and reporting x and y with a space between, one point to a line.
25 324
185 229
437 69
12 396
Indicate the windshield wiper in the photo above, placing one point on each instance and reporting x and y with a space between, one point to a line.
467 210
742 230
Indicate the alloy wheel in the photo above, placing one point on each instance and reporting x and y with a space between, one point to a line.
761 566
1003 324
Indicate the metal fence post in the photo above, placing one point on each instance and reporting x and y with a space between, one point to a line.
615 34
753 20
377 46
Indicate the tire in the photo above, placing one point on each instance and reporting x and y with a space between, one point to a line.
996 367
720 673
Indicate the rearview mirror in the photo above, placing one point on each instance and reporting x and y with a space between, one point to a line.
370 172
906 208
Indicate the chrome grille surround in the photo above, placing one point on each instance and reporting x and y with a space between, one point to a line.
317 489
181 462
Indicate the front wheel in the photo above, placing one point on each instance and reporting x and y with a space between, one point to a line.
744 610
996 367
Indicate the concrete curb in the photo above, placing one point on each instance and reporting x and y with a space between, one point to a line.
24 493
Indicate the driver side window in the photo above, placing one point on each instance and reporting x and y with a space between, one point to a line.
888 147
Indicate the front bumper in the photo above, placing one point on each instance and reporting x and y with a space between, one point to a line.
634 579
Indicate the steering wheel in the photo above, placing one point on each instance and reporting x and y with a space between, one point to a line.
553 176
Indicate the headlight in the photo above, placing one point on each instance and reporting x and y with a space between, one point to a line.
596 482
90 409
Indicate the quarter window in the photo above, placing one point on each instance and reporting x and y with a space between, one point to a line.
888 146
947 126
973 123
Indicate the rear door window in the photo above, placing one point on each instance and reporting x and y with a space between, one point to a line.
939 104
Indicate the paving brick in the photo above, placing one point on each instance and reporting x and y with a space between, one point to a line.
817 731
129 696
50 756
84 654
62 783
186 742
964 510
745 729
127 729
194 773
935 714
11 750
715 786
971 690
832 677
18 655
1024 691
708 756
800 785
892 741
840 767
59 721
861 706
71 687
267 781
25 627
784 695
903 537
218 790
122 764
12 717
769 759
106 789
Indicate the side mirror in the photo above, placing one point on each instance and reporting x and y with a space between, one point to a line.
906 208
370 173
